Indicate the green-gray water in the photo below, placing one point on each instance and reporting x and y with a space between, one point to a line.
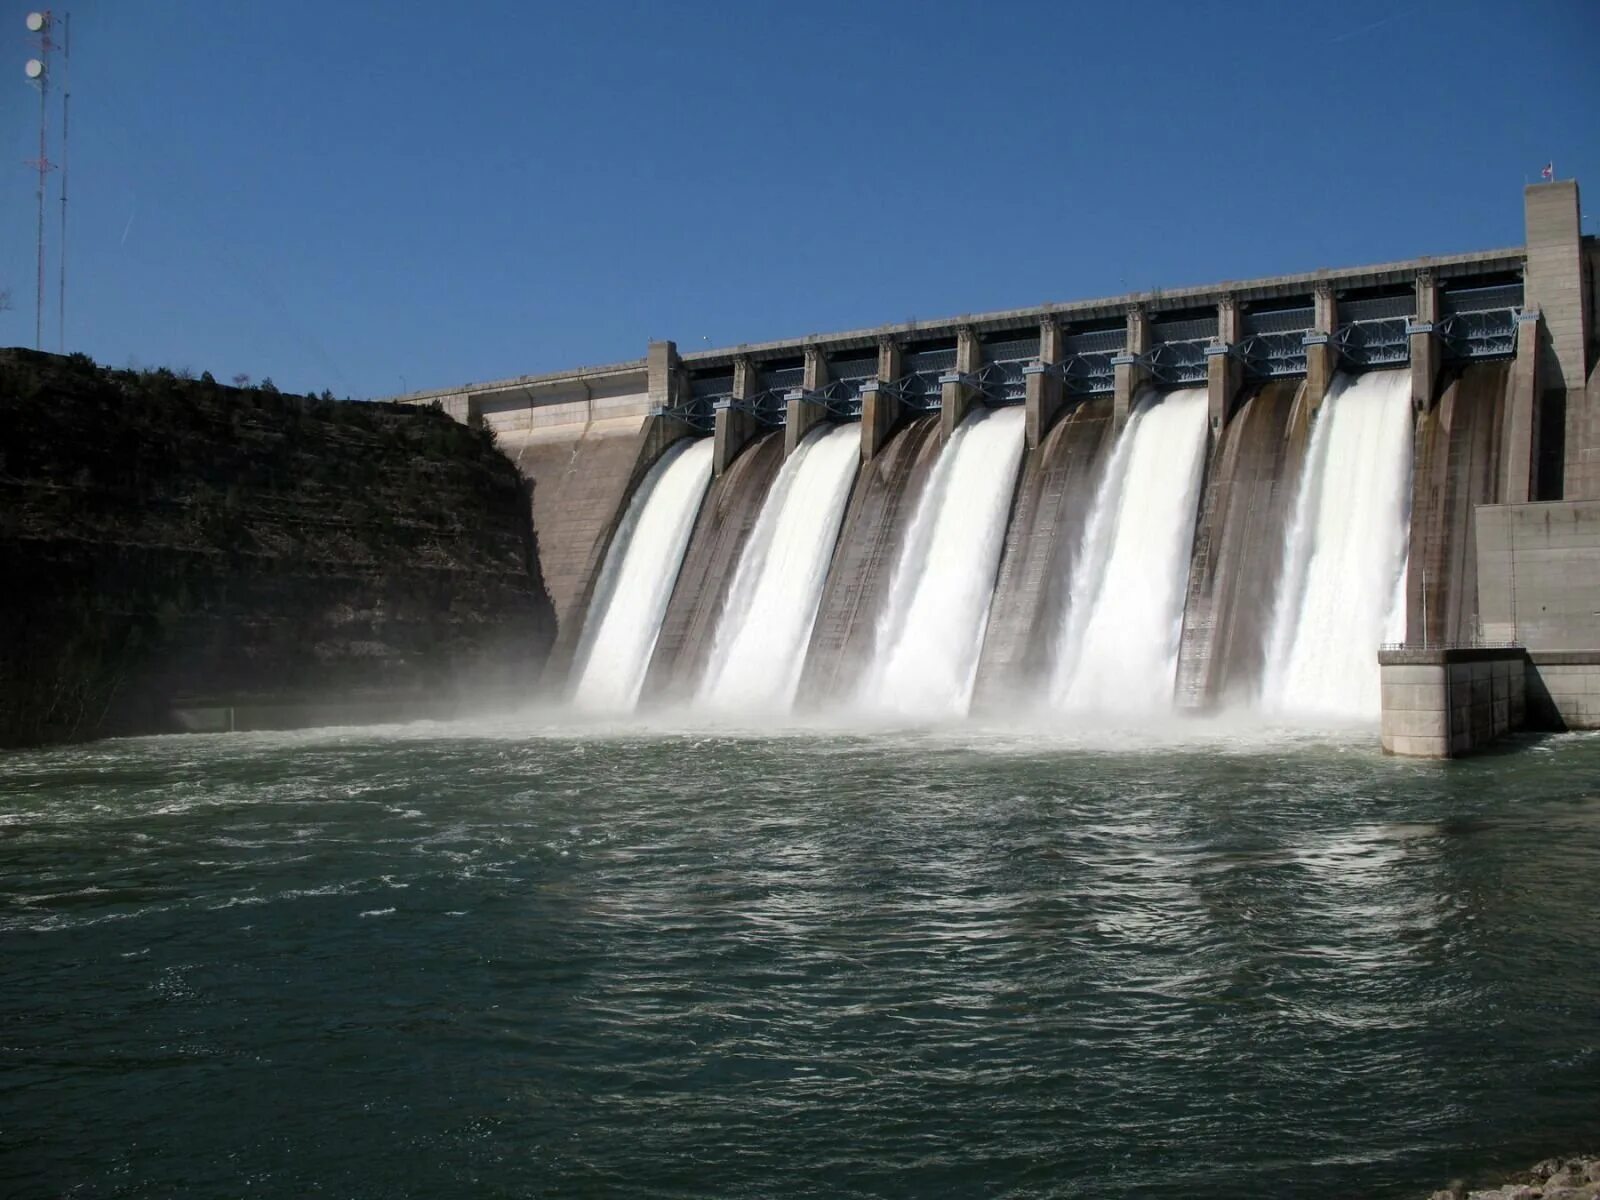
513 961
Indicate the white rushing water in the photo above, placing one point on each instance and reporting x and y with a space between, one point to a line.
930 632
641 567
765 626
1341 594
1118 647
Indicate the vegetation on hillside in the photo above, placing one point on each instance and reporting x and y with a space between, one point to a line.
165 539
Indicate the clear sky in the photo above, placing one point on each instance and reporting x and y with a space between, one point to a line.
374 197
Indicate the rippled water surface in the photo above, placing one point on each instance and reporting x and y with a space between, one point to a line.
516 960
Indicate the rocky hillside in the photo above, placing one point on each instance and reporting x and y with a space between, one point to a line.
165 540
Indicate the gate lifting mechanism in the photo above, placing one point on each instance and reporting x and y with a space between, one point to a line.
1086 368
840 400
1273 346
1480 322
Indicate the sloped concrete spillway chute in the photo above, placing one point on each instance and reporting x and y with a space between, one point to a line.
930 630
642 564
1119 635
1238 548
730 513
758 651
1054 495
885 493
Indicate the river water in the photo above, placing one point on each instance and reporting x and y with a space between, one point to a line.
519 959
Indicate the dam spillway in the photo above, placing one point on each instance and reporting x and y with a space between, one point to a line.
760 643
930 631
637 581
1340 430
1118 645
1341 592
1301 535
1323 540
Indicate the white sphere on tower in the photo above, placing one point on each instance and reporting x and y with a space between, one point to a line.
37 21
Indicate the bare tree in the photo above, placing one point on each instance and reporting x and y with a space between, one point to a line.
241 380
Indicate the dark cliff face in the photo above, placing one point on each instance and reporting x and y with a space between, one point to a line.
165 540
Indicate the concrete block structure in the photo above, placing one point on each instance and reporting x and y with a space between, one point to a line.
1448 703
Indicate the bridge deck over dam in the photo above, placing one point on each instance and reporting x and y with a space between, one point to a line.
588 436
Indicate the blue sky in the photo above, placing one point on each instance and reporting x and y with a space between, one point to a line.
371 197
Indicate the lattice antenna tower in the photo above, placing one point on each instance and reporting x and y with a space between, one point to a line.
66 128
37 70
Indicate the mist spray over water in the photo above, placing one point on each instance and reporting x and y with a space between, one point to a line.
1118 647
759 648
636 581
928 637
1342 590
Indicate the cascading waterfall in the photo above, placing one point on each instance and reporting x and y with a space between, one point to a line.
930 632
1118 649
1342 590
765 625
637 578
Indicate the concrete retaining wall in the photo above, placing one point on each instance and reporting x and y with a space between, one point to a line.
1446 703
1564 689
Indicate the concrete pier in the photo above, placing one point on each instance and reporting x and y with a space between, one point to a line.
1223 371
956 395
1321 356
1045 393
1130 374
880 409
1422 332
735 426
1558 260
800 416
1518 441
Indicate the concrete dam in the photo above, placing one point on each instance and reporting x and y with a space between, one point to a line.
1195 499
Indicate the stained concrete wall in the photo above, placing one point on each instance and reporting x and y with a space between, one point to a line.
1237 557
727 516
1456 463
1564 689
1539 574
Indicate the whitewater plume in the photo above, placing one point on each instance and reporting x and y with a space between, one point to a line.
1118 646
1342 590
636 581
930 632
760 644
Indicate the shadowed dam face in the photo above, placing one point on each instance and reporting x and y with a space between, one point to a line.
1238 549
732 507
1457 466
1105 573
886 492
1054 496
